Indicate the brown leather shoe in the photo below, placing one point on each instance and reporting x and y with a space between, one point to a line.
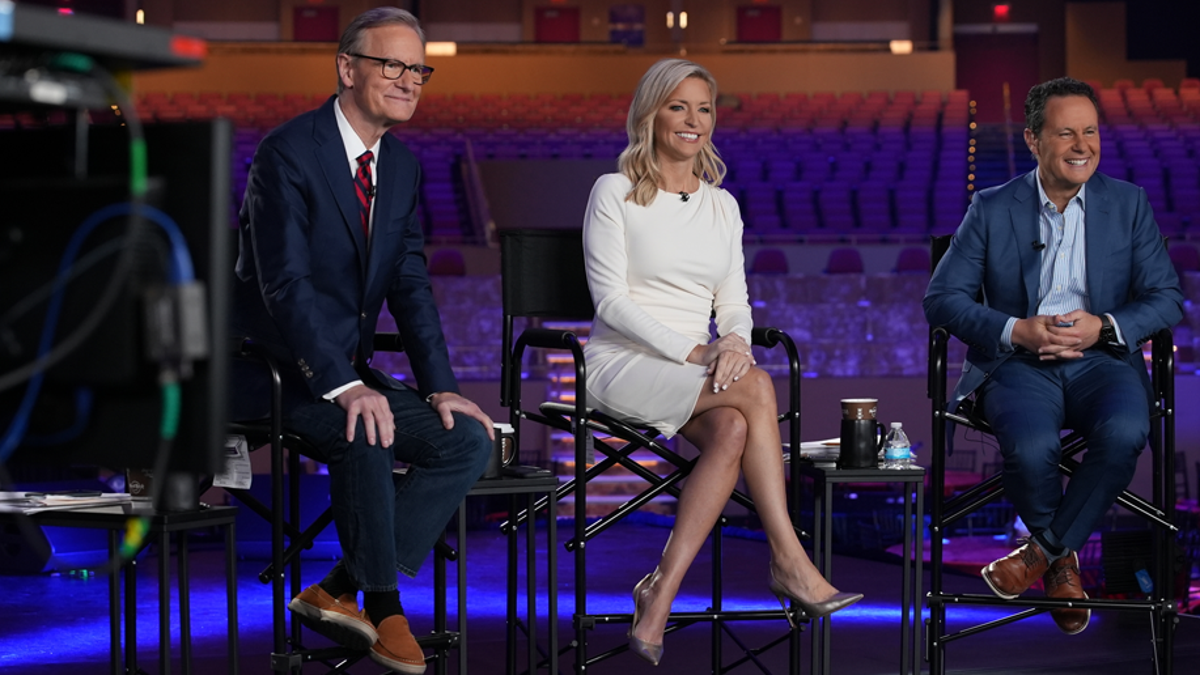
397 648
1011 575
337 619
1062 583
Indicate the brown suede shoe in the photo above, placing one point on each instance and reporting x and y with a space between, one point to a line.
1011 575
397 648
339 620
1062 583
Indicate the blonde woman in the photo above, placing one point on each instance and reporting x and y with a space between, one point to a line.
663 246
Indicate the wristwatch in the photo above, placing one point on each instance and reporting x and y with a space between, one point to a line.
1108 334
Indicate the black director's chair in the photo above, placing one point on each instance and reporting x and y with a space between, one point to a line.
544 278
290 537
945 511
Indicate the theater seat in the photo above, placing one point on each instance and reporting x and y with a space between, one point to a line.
844 261
769 261
447 262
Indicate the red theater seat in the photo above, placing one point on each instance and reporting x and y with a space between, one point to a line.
447 262
769 261
844 261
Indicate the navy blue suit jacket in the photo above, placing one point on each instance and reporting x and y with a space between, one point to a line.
308 285
1130 275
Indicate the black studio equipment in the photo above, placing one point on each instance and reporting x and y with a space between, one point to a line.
114 257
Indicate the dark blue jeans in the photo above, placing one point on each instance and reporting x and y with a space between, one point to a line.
387 521
1029 402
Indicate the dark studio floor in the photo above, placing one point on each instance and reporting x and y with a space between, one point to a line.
57 624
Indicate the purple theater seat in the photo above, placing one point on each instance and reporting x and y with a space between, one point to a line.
1169 224
1185 258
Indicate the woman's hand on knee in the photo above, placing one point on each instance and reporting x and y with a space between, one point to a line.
730 367
706 355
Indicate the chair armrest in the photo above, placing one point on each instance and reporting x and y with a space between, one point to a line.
236 345
765 336
1162 367
548 338
246 348
770 337
388 342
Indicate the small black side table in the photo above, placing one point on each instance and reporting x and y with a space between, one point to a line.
531 488
912 494
114 519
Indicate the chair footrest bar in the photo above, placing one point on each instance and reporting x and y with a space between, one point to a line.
695 617
446 640
983 627
1045 603
327 654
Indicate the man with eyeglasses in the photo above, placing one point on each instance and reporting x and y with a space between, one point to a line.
328 233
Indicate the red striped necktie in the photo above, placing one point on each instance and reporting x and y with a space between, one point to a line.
365 190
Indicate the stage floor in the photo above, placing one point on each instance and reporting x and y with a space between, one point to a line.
57 624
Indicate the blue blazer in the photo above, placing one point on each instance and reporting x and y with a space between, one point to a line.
1129 272
309 287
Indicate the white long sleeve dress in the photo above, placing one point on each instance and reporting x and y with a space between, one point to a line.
657 273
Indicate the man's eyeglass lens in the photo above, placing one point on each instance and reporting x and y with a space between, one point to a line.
393 69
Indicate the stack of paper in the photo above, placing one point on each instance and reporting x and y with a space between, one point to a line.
35 502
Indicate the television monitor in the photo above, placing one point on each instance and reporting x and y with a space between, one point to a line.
45 200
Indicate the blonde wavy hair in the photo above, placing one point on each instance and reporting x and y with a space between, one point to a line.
639 160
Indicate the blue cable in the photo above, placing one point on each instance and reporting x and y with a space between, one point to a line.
180 272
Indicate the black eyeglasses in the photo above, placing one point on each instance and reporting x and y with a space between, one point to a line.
393 69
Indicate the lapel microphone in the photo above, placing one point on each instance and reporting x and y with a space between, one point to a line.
371 192
683 196
1037 246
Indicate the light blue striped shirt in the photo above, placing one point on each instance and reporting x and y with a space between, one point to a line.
1063 284
1062 287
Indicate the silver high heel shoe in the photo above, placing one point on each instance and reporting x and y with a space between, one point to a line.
646 650
812 610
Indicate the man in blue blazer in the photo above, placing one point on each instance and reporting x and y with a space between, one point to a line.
328 233
1074 278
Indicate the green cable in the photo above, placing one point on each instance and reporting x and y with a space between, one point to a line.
170 415
136 528
73 61
137 166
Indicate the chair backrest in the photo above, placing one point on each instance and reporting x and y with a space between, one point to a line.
844 261
542 275
938 245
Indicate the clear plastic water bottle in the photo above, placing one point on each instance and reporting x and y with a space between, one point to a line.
897 452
